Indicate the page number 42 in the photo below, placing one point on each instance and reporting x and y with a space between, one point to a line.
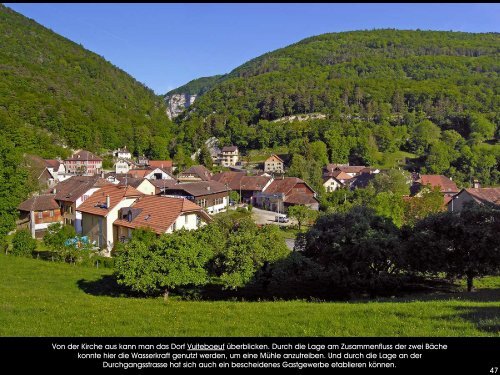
494 370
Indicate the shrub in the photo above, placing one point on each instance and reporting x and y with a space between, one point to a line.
23 244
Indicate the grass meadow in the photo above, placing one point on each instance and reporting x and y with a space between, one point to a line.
41 298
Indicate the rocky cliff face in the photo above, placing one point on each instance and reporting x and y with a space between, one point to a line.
176 103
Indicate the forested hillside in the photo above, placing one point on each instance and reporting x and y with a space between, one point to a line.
55 92
432 94
197 86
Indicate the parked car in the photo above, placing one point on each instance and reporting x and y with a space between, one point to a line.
281 219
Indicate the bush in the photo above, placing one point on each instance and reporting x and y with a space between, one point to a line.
57 234
249 208
23 244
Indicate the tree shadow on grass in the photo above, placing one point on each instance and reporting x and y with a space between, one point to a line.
485 318
105 286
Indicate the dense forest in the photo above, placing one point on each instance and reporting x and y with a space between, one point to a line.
433 95
197 86
55 93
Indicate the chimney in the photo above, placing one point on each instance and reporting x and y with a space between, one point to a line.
477 185
108 201
102 174
54 191
208 188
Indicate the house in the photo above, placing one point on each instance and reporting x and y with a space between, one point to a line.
142 161
482 196
446 186
55 168
162 185
143 185
274 164
37 213
122 153
123 166
331 184
351 170
195 173
211 195
71 193
160 214
229 156
83 163
151 174
245 186
101 210
285 192
361 181
165 165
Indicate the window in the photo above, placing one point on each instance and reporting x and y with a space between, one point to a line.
40 214
174 226
51 214
198 221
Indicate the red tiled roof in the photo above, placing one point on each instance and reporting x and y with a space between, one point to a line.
229 148
283 185
486 195
74 187
161 164
254 183
232 179
116 194
235 180
159 213
345 168
274 156
339 175
445 184
52 163
39 203
197 170
200 188
300 198
84 155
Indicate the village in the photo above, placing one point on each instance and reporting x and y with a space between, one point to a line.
106 206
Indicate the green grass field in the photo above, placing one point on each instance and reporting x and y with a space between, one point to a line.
40 298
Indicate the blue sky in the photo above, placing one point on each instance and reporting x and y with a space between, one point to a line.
166 45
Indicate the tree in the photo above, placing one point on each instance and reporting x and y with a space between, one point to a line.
298 167
417 208
318 152
57 234
162 264
23 244
461 244
241 248
438 160
234 196
300 213
394 181
481 126
204 157
361 245
423 135
389 205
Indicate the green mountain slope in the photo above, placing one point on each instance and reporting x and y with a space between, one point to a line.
197 86
56 92
433 94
